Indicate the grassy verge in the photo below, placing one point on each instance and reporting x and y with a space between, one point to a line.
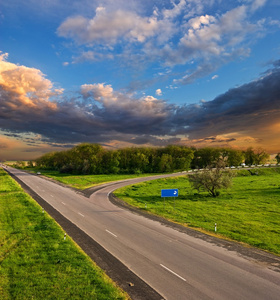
249 212
35 260
86 181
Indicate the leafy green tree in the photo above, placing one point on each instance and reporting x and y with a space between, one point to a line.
261 156
250 157
258 156
205 157
30 164
212 179
233 157
20 164
165 164
278 158
84 158
153 160
124 159
181 156
139 160
110 162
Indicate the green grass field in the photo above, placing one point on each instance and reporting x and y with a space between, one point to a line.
86 181
248 212
35 260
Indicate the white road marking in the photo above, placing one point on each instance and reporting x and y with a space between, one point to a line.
81 214
52 196
173 272
63 203
111 233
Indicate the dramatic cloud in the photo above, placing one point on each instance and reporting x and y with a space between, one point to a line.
122 105
25 87
251 109
98 113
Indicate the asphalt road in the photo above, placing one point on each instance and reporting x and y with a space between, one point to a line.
175 264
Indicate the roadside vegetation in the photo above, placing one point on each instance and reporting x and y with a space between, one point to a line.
36 262
212 179
248 212
93 159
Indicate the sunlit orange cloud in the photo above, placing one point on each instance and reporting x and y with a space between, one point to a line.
28 85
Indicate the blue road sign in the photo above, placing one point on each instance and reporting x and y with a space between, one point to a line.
169 193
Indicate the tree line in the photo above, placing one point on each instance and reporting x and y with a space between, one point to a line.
89 158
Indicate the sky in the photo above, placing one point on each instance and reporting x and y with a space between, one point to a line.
138 73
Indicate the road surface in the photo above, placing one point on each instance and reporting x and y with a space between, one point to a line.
175 264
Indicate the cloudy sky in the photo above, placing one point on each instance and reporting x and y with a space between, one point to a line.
138 73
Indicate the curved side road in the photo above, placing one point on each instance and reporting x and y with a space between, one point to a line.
175 264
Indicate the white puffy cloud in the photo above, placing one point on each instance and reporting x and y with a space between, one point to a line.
100 92
116 102
171 34
107 27
211 36
159 92
200 21
149 98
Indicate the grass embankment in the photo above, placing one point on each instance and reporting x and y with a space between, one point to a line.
35 260
86 181
248 212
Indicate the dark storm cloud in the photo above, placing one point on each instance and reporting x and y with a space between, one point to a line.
99 114
247 108
214 139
